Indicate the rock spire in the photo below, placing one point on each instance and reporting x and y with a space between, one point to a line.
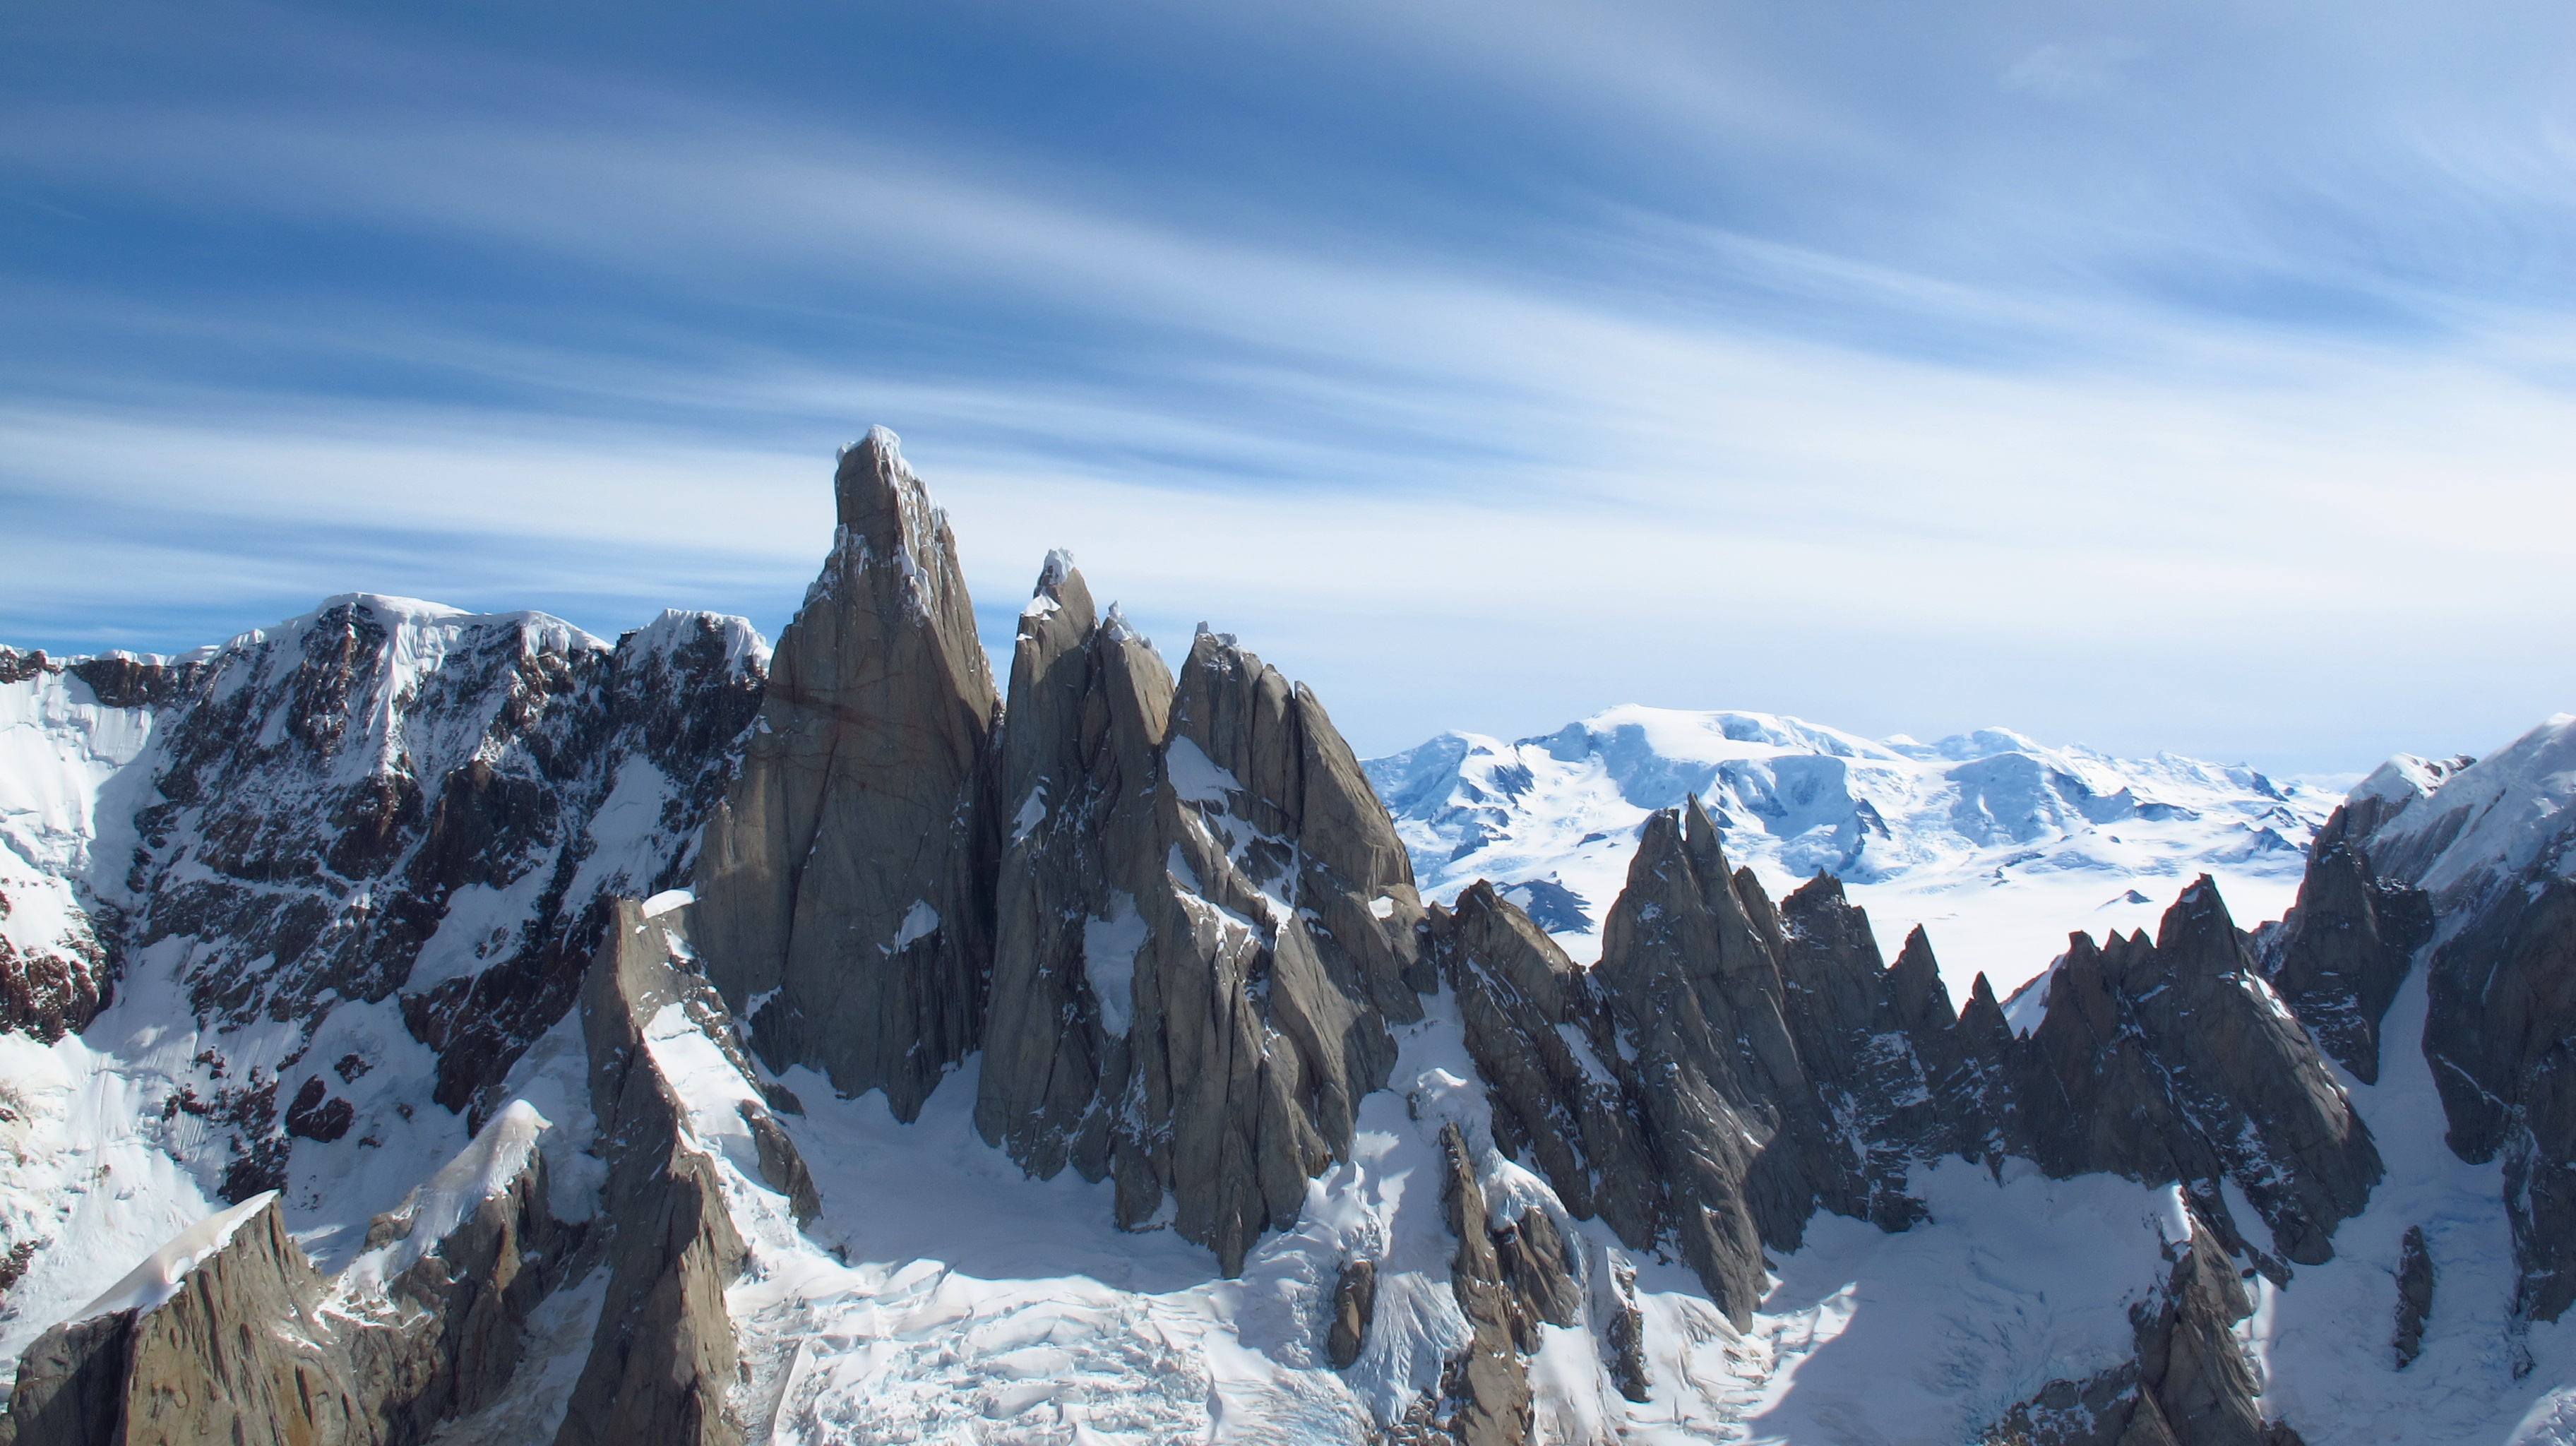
845 884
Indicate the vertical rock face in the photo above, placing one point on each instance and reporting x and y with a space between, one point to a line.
1730 1068
2493 842
1082 775
1490 1385
1727 1068
1205 923
2175 1061
845 883
664 1356
2502 1040
2338 956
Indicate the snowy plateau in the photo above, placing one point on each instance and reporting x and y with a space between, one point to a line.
429 1026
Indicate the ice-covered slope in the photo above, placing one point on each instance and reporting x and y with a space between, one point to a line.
1998 845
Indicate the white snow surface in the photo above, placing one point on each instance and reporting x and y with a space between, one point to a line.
61 750
1996 845
942 1296
152 1283
2503 814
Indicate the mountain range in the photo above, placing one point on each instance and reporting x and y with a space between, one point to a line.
426 1026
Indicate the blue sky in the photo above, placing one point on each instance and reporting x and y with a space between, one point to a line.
2190 376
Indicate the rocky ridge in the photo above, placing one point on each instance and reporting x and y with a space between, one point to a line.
1159 929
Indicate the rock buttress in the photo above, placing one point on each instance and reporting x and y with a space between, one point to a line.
1206 924
845 884
665 1354
2338 956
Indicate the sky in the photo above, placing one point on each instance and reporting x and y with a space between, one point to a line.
2189 376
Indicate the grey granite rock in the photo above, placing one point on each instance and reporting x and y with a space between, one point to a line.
240 1352
1205 924
845 884
2501 1036
2172 1060
1354 1308
664 1355
1490 1385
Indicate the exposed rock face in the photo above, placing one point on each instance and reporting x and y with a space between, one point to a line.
1729 1068
1206 923
238 1352
1671 1090
1082 773
444 1338
2494 843
2188 1386
252 1344
665 1355
2414 1296
1354 1306
1491 1383
321 794
845 886
2502 1040
2174 1061
2339 955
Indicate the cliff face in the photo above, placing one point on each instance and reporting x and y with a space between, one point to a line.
846 882
1206 923
1730 1069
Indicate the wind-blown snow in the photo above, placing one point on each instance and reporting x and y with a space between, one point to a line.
60 752
159 1277
483 1169
1997 845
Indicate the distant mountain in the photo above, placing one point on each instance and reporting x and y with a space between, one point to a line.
1997 844
424 1026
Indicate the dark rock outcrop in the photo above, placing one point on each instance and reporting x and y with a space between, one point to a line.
845 885
2189 1384
320 794
2414 1296
1489 1386
1206 924
1354 1307
2174 1061
2338 956
2501 1036
254 1345
1730 1068
2494 844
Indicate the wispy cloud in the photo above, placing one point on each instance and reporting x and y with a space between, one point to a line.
1482 367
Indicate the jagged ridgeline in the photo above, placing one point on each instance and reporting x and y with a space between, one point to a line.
1172 914
1155 929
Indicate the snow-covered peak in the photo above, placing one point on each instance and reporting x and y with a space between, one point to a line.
2454 827
681 628
1996 843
